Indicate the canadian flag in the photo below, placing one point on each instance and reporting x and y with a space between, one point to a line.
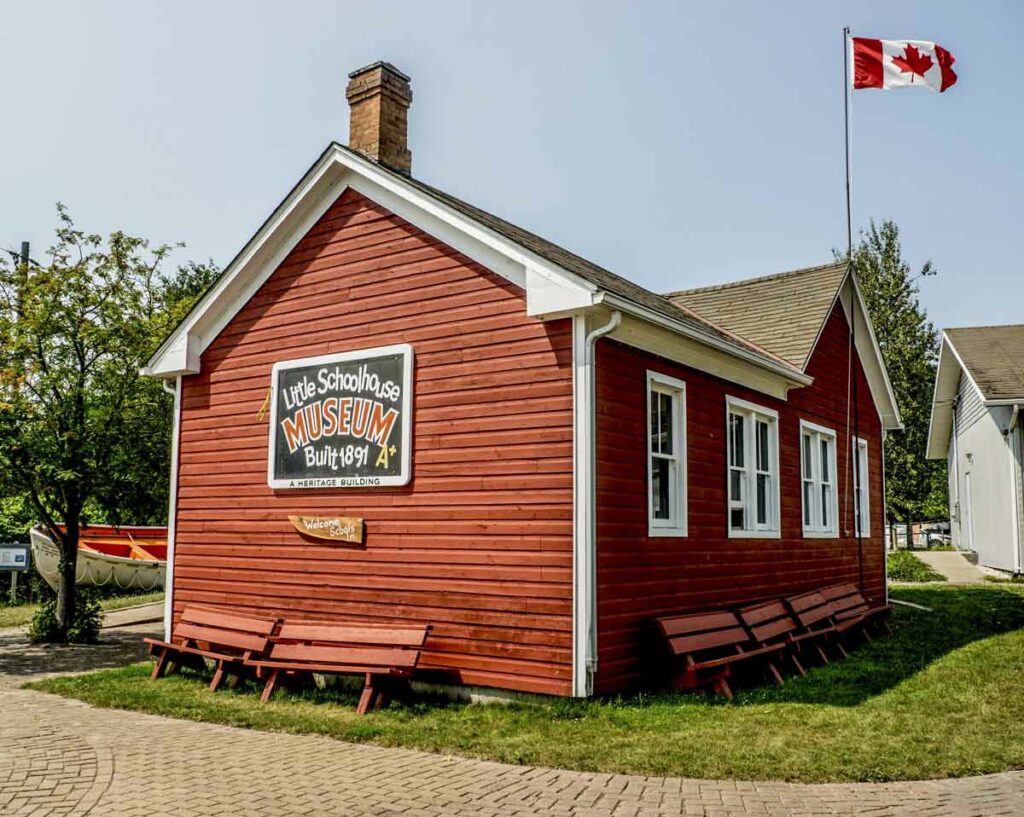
901 63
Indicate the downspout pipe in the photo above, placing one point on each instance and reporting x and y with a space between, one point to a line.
955 511
589 518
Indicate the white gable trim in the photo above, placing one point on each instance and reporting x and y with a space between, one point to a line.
947 386
553 290
946 340
870 355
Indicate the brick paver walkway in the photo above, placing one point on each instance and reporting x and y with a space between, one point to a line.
64 757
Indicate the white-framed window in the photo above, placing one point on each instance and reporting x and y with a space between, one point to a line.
861 494
819 498
752 442
666 455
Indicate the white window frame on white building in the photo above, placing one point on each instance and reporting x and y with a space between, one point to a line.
671 451
756 465
819 499
862 486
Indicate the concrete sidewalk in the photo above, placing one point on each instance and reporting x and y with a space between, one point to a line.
952 565
59 756
129 616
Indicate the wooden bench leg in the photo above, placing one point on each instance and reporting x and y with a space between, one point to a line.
774 670
797 665
821 653
161 664
218 676
268 687
369 696
722 688
236 679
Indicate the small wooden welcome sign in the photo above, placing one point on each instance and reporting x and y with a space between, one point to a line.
334 528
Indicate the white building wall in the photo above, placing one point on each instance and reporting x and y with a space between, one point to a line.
983 495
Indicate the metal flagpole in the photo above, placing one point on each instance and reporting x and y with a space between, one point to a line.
854 447
846 136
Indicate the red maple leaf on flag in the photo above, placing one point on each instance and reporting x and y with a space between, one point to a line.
913 62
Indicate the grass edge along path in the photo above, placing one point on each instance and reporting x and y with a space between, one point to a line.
904 566
21 615
940 698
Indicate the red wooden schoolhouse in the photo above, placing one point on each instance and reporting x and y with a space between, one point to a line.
537 455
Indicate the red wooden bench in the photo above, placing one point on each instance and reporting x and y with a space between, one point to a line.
230 640
850 610
814 613
709 645
771 622
386 655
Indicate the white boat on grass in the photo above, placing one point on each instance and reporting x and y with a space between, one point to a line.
130 558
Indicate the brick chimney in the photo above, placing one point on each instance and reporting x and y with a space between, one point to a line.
379 97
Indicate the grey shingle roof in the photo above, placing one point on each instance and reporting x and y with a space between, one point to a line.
994 356
603 279
782 313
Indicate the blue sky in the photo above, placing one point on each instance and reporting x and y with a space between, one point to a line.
678 144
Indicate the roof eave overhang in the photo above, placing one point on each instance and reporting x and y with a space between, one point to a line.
784 377
551 291
870 354
947 383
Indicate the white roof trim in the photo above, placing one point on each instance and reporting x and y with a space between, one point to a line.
947 388
333 172
789 376
946 339
551 291
869 353
947 383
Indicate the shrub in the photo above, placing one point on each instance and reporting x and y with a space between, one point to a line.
903 566
84 629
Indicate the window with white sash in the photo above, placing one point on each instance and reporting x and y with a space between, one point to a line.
861 495
666 455
818 480
752 442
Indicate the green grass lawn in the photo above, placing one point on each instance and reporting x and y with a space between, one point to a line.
22 614
903 566
941 697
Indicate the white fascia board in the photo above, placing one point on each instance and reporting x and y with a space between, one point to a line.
947 381
947 341
551 291
673 340
560 290
549 296
871 357
249 269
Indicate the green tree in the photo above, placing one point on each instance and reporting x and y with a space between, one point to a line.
915 486
82 433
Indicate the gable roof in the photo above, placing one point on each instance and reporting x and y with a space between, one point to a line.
557 283
783 313
994 357
991 358
588 270
522 257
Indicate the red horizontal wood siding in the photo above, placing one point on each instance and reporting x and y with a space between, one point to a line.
479 544
641 577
